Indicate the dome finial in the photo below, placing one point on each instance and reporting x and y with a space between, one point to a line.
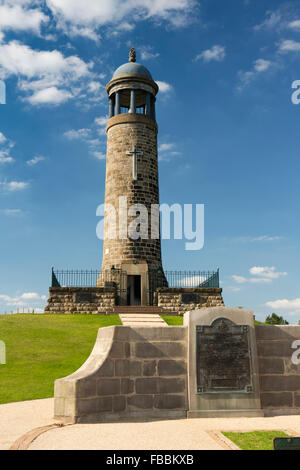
132 55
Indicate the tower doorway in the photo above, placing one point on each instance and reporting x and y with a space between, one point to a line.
133 290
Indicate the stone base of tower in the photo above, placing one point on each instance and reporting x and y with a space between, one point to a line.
181 300
89 300
105 300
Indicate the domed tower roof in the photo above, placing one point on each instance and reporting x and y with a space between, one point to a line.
132 67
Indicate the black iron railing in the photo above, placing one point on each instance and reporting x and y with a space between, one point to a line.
187 279
89 278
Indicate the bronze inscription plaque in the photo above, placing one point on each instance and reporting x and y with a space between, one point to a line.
223 358
84 297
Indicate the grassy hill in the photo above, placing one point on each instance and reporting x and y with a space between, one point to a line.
43 348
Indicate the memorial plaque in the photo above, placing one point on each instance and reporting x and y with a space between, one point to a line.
84 297
189 298
223 358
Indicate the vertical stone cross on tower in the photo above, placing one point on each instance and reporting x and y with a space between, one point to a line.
134 153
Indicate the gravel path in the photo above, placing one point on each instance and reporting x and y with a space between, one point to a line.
16 419
19 418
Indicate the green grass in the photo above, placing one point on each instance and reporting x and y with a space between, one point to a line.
173 320
43 348
256 440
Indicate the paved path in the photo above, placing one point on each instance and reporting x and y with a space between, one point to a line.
17 419
142 319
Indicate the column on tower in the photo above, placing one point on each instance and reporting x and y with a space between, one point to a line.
132 109
111 105
117 103
148 104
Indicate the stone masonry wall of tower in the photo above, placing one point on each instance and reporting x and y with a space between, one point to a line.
125 131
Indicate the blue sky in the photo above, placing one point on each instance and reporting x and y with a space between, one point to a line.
228 137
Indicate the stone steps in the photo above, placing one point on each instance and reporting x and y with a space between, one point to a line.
141 319
140 310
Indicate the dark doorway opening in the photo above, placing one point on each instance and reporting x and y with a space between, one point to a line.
133 290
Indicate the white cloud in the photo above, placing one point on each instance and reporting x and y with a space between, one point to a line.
165 147
77 134
147 53
13 186
3 139
259 67
260 275
46 77
99 155
273 20
51 95
239 279
234 288
23 301
5 157
20 16
12 212
35 160
216 53
291 307
101 122
76 17
32 296
261 238
86 135
164 87
166 151
266 238
260 280
266 272
289 45
294 25
192 280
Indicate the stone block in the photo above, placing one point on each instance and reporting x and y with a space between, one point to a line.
117 350
274 348
86 388
149 368
104 404
140 401
119 403
108 387
297 400
169 402
64 388
280 383
127 386
170 367
107 369
271 366
125 368
146 385
160 349
291 368
276 400
277 332
85 406
59 407
173 385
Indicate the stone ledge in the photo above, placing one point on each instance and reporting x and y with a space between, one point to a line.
131 119
190 290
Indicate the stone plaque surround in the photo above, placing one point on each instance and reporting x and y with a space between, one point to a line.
238 397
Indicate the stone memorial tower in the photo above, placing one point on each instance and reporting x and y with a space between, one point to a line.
131 181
